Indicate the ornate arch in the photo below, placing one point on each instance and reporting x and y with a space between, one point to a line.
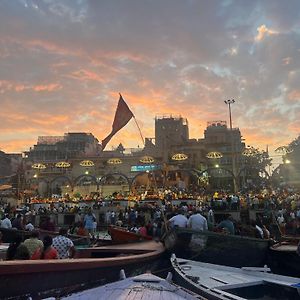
114 174
61 177
200 173
77 179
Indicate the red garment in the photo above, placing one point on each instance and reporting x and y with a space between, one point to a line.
82 231
51 253
143 231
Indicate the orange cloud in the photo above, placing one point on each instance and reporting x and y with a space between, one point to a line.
14 145
294 95
86 75
49 87
19 87
263 31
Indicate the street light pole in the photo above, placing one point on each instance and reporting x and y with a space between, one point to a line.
235 187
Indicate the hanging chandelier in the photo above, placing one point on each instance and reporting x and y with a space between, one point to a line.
114 161
283 150
86 163
62 164
38 166
250 151
179 157
147 159
214 155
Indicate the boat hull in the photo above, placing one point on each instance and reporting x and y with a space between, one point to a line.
284 260
32 277
222 282
121 235
144 286
217 248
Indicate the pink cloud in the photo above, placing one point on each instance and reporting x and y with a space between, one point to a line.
294 95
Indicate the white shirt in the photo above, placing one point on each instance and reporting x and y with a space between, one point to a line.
178 220
261 233
6 223
280 219
29 227
62 244
197 222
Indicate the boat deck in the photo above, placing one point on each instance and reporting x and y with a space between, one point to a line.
285 248
222 282
225 277
145 286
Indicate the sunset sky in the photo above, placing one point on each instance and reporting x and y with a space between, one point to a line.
63 63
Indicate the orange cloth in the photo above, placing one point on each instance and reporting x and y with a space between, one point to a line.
51 253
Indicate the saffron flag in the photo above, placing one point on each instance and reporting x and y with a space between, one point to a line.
122 117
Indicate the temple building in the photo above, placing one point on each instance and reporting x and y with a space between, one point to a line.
76 159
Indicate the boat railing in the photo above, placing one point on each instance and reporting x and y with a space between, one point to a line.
208 233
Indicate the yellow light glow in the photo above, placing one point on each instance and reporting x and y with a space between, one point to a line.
250 151
214 155
179 156
114 161
283 150
38 166
147 159
62 164
86 163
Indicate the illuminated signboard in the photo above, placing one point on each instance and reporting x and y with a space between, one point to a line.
144 168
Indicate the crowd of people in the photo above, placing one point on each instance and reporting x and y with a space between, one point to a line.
277 207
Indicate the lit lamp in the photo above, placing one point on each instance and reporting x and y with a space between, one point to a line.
179 157
114 161
284 150
62 165
214 155
147 159
250 152
86 164
38 166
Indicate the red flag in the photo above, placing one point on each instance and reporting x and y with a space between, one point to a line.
122 117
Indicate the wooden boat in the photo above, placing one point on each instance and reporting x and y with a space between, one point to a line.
284 259
122 235
219 248
9 234
223 282
91 265
144 286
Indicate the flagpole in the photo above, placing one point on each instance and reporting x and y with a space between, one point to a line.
139 129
